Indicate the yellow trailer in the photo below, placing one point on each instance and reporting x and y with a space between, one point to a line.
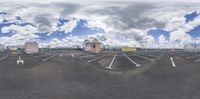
128 49
13 49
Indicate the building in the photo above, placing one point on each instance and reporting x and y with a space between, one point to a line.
2 47
192 48
31 47
92 46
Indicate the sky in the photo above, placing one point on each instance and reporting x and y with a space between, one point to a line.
63 23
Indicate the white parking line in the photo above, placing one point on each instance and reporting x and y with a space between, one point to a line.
72 55
172 61
3 57
192 56
137 65
110 66
146 58
61 55
198 60
99 57
20 61
49 57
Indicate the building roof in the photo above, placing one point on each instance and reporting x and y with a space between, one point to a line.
31 43
91 41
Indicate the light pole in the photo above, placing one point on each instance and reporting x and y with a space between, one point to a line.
42 43
146 45
21 40
195 39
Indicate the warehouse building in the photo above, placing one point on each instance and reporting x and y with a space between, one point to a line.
195 48
92 46
2 47
31 47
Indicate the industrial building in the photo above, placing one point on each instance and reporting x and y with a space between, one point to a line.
2 47
92 46
31 47
195 48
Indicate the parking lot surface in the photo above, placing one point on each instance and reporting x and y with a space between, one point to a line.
74 74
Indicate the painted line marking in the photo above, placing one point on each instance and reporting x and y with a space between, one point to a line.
20 61
192 56
137 65
49 57
3 57
198 60
99 57
110 66
61 55
172 61
72 55
146 58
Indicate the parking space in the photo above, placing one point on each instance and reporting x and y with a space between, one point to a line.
119 61
2 57
123 62
20 60
190 56
86 75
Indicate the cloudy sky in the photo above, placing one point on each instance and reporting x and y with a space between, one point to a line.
60 23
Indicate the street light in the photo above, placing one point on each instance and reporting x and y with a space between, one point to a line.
42 43
195 40
146 44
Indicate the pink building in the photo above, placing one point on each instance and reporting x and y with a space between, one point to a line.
31 47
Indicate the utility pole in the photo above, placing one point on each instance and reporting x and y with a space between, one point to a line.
146 46
195 46
42 43
195 39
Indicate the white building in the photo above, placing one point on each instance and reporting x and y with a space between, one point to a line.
2 47
92 46
192 48
31 47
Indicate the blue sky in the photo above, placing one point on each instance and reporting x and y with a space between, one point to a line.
81 30
195 33
69 23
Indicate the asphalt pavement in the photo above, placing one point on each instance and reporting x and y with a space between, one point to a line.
74 74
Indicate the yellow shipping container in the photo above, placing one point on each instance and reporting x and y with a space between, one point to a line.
13 49
128 49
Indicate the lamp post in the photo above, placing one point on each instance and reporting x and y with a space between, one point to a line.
195 50
146 45
42 43
20 46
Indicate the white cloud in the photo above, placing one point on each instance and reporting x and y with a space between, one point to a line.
21 34
162 40
131 20
48 1
69 26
